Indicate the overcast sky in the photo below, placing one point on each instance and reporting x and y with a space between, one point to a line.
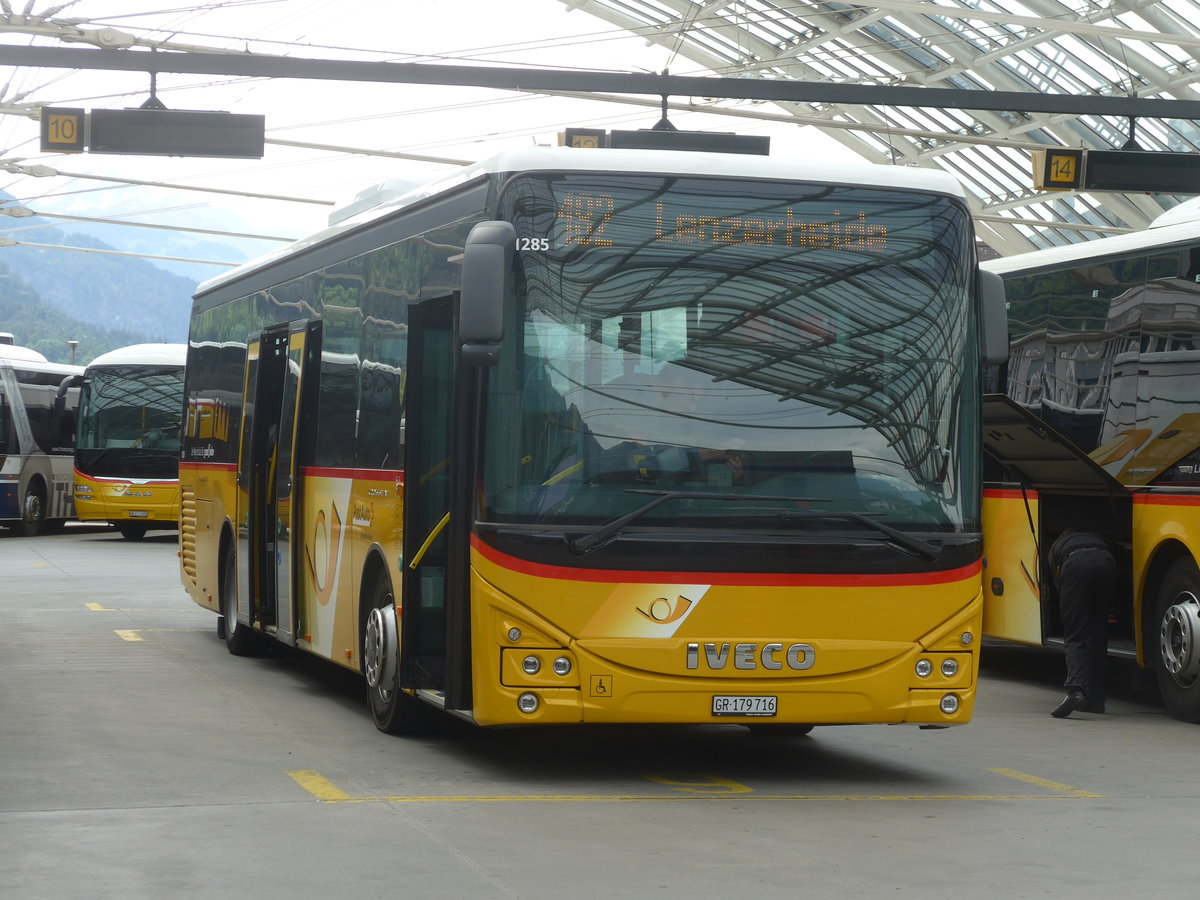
455 123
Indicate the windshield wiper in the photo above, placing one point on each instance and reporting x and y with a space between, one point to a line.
606 532
906 541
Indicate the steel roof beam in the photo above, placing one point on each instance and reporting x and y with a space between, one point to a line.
233 64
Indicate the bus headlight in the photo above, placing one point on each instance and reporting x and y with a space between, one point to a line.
562 666
528 703
924 667
949 704
949 667
531 665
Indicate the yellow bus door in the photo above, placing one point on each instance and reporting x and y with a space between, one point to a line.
434 640
1055 485
272 446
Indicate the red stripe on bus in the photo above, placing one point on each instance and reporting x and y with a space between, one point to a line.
388 475
391 475
752 579
1009 493
1167 499
200 464
171 481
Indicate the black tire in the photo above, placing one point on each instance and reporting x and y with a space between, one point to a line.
393 711
132 531
33 510
240 640
1176 640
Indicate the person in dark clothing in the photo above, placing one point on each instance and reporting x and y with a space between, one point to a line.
1085 575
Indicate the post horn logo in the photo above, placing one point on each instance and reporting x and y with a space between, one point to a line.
664 611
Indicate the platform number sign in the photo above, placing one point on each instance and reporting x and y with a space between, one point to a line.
585 138
64 130
1059 169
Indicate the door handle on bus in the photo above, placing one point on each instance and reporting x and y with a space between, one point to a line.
437 529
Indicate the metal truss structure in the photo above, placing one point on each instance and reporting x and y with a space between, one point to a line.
1083 48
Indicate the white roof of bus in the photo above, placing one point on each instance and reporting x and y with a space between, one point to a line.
1176 226
143 355
680 162
665 162
23 358
12 351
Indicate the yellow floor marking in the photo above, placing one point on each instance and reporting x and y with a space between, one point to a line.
1055 786
100 607
327 792
320 787
134 634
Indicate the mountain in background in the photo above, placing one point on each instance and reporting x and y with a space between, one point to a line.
49 296
33 323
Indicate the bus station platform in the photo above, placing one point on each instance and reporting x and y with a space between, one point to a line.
138 759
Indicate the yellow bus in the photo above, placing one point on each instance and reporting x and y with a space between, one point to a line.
127 441
1098 423
607 436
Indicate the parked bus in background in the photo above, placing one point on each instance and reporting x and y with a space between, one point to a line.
36 438
610 436
127 441
1100 426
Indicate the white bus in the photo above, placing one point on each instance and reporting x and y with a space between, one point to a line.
37 439
127 445
1101 425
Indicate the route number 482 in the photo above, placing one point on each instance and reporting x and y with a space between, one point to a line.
533 243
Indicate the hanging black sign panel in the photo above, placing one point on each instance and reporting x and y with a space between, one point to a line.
1142 170
172 132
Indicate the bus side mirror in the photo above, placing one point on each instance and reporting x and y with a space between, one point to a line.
487 262
993 318
60 399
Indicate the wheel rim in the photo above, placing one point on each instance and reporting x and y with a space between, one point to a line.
373 649
33 508
379 648
1179 639
229 602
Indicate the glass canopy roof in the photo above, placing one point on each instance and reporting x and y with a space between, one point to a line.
1119 48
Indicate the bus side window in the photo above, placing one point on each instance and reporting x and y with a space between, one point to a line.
5 425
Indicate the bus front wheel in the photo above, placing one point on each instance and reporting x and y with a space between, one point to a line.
1177 615
394 711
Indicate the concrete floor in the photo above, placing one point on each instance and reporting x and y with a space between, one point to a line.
138 759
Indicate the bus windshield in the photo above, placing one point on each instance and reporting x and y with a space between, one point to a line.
129 422
759 351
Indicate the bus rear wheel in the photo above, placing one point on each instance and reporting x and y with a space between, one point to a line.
33 510
132 532
1177 615
240 640
394 711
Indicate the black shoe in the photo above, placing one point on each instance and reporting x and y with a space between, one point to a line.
1075 700
1095 708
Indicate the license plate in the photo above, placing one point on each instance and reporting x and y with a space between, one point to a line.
732 705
